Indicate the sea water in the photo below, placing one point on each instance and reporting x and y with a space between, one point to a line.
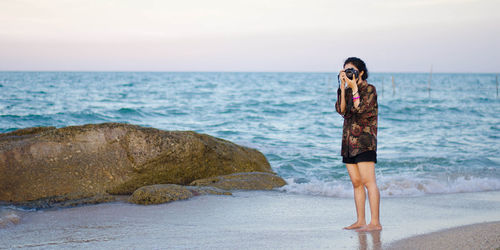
442 137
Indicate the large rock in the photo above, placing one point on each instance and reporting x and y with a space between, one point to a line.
163 193
85 161
250 181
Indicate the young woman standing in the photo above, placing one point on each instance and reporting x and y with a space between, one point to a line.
357 103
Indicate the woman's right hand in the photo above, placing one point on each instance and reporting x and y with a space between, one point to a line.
342 77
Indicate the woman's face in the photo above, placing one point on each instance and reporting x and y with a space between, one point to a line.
350 65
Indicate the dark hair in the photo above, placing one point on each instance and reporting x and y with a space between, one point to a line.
359 64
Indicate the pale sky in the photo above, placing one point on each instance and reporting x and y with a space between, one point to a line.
254 35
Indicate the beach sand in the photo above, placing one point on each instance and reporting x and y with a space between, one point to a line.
476 236
247 220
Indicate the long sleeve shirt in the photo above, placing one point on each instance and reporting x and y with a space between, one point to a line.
359 133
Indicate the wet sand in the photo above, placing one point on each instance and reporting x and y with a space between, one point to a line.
245 220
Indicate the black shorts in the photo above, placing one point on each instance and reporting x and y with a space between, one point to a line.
365 156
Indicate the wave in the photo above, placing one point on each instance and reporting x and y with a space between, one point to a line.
394 186
130 112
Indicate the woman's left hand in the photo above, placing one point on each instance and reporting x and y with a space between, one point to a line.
352 83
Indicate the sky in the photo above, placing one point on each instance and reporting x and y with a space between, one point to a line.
254 35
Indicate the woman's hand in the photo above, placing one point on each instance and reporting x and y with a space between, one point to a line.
352 83
343 78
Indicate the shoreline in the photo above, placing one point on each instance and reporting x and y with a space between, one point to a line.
246 220
485 235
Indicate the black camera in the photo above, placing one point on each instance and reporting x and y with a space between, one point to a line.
350 72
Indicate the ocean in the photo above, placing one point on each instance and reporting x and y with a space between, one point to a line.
445 140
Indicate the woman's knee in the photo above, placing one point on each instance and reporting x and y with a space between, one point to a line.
356 182
369 183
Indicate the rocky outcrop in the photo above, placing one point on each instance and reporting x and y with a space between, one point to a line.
79 162
163 193
69 200
249 181
218 185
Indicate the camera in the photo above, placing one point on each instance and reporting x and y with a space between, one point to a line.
350 72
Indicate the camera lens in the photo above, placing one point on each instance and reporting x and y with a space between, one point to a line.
350 73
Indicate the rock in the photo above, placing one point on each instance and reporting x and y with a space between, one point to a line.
207 190
80 162
157 194
61 201
163 193
251 181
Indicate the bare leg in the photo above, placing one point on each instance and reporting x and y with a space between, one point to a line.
367 173
359 196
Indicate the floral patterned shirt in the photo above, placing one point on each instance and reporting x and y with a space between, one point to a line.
360 124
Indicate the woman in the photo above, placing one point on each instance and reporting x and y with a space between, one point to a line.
357 103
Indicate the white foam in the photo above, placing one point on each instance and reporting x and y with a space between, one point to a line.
317 187
396 186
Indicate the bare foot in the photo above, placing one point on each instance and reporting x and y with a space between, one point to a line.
370 227
356 225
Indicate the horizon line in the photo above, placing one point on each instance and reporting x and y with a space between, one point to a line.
237 71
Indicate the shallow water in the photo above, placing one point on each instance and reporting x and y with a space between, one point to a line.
442 142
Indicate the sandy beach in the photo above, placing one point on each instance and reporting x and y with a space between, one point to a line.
476 236
249 220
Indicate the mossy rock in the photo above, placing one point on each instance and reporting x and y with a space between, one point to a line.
69 200
248 181
163 193
112 158
157 194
